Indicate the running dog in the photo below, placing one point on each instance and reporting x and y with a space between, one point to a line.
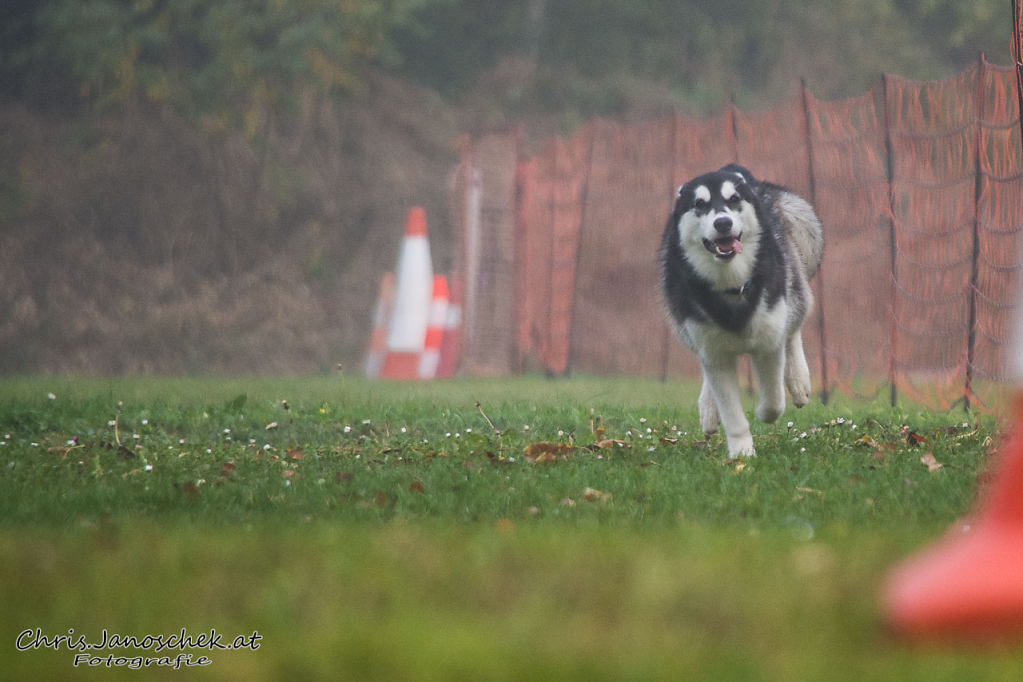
736 260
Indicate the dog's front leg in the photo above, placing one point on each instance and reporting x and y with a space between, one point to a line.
797 372
723 378
769 366
709 419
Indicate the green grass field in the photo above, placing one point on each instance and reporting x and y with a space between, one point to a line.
467 530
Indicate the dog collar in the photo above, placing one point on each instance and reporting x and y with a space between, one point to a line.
739 291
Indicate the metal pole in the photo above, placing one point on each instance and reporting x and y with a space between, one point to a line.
971 329
820 270
890 160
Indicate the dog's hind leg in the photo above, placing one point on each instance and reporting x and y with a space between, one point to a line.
723 378
797 372
709 419
768 367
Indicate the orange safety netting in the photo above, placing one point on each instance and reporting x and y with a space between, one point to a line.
919 186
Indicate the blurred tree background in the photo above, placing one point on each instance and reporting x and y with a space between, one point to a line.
215 185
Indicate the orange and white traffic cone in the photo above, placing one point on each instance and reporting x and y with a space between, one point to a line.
435 328
413 291
378 337
969 585
451 344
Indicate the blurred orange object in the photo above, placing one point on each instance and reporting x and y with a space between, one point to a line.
969 585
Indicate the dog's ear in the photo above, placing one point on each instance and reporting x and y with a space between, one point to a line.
683 202
741 171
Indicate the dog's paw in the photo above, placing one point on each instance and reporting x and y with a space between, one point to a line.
799 388
709 421
709 418
769 413
741 446
800 394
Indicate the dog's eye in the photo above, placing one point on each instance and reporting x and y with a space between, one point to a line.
700 204
733 200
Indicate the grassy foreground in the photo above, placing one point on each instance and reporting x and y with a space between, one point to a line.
608 540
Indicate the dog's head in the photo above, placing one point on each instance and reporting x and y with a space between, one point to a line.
716 218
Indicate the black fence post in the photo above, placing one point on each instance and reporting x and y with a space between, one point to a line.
971 329
820 270
892 245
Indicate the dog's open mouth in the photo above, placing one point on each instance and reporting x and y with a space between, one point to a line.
724 248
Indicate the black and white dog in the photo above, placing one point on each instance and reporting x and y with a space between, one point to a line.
736 259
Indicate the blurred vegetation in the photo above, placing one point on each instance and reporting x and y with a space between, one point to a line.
215 185
218 61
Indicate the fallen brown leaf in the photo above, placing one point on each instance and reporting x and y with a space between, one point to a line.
594 495
542 448
915 439
417 487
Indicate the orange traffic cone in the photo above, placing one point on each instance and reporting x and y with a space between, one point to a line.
451 344
970 584
378 337
435 328
413 292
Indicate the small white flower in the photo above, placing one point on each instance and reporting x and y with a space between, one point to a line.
854 426
358 457
287 483
112 422
365 421
144 422
796 439
447 435
7 436
35 445
600 456
149 467
348 429
790 425
841 420
511 459
526 427
208 451
182 441
252 441
649 430
467 430
135 436
70 442
458 435
266 447
51 396
425 441
170 447
802 449
966 425
650 449
642 420
561 433
404 430
227 430
803 434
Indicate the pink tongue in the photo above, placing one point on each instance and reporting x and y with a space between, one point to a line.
726 245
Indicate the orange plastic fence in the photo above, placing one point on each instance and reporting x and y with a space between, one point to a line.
919 186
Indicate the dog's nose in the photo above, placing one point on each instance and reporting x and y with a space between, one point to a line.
723 224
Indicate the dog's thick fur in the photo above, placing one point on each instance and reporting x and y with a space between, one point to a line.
736 260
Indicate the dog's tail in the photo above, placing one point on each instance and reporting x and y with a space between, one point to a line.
802 224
